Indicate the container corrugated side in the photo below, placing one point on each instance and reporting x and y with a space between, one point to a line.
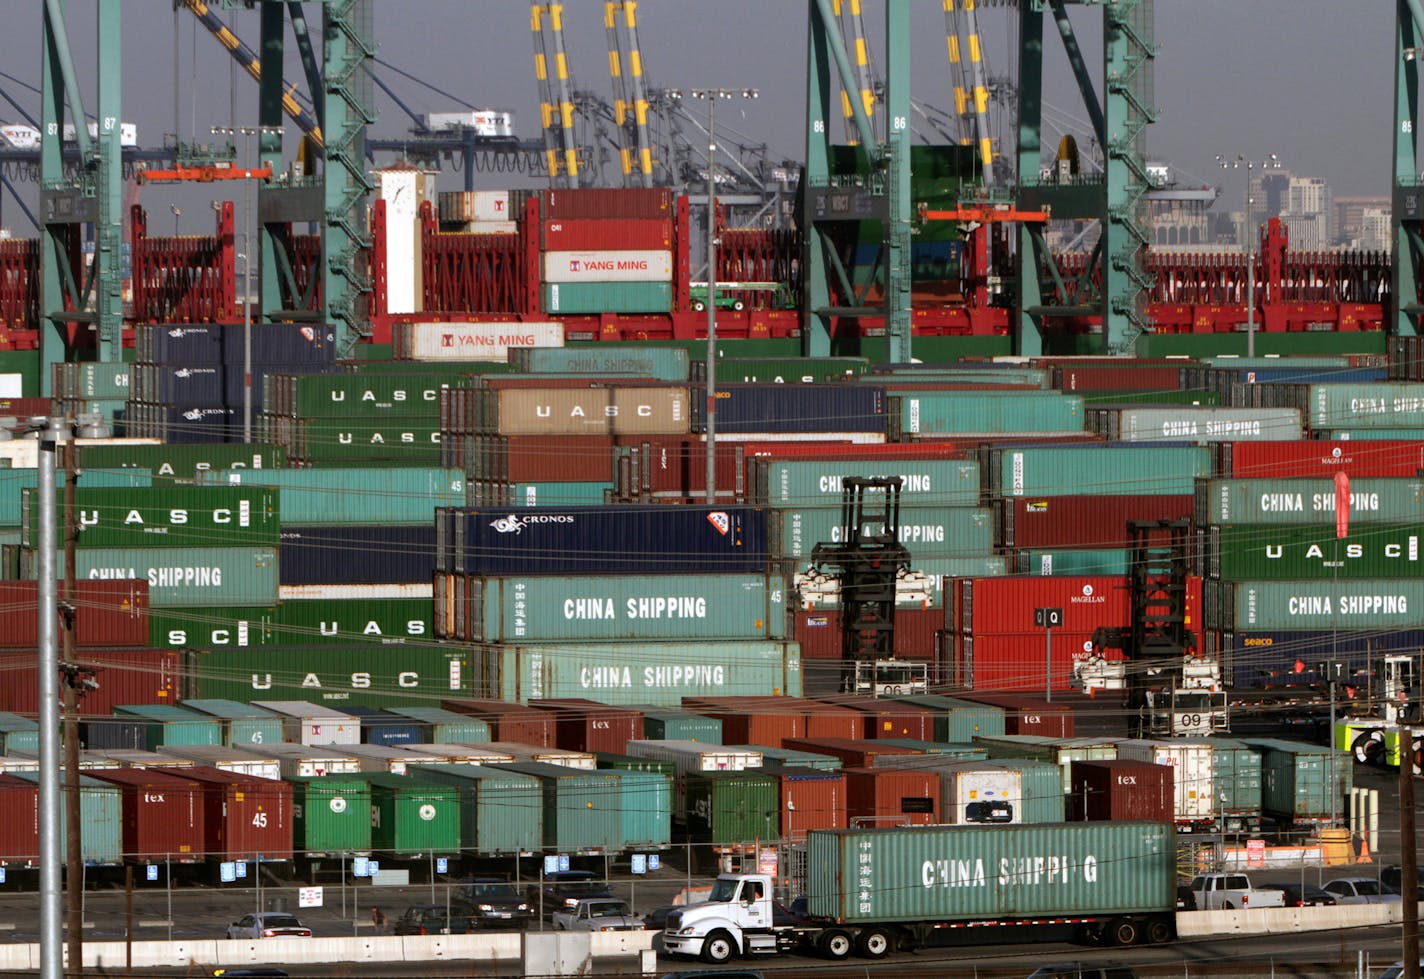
607 297
296 622
100 812
729 808
661 363
1303 782
643 410
405 495
1082 521
363 675
655 673
1307 501
986 412
359 395
624 265
1060 752
1115 561
166 516
626 607
960 721
1318 458
1099 470
673 725
178 462
446 726
170 725
412 816
1268 551
215 576
818 483
1371 603
501 811
1238 779
782 370
1196 424
965 872
14 481
332 815
582 809
472 342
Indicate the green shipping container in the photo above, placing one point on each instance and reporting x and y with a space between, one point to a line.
1196 424
100 814
301 622
1303 782
1292 344
1237 770
929 532
482 493
446 726
1379 405
817 483
1025 377
1307 501
1062 752
365 396
1246 553
331 815
501 812
1169 470
357 496
659 363
627 607
1041 784
14 483
23 734
582 809
242 724
607 297
1377 604
1121 398
960 721
676 725
334 676
173 725
991 872
91 381
731 808
984 412
407 441
646 803
411 816
180 463
1371 434
182 576
656 673
1111 561
166 516
781 370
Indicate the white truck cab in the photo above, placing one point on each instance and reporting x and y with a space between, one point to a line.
736 918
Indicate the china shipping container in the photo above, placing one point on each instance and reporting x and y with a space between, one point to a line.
1095 470
659 673
501 811
935 413
373 554
1201 424
1062 752
1120 791
1082 521
92 381
481 493
587 725
1247 552
796 409
928 532
916 633
163 815
110 613
732 808
508 721
365 675
243 815
1379 604
582 809
101 810
892 796
1306 501
1024 714
1316 459
1303 783
126 676
818 483
411 816
660 363
331 815
678 725
405 495
182 575
810 799
1107 869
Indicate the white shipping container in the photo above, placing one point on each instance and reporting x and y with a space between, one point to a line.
297 593
25 453
467 754
979 793
613 266
472 341
1193 769
693 756
585 760
385 758
226 759
492 227
485 122
305 761
139 758
476 205
311 724
128 133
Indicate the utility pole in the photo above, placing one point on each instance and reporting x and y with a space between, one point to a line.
1408 856
74 856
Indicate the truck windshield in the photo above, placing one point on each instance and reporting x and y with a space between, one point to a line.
724 890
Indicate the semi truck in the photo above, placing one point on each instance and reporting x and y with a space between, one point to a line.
873 891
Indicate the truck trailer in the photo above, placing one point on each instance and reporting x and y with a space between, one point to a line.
874 891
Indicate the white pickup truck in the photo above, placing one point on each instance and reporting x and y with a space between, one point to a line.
1232 892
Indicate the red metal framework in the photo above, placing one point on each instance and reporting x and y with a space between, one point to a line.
19 293
184 279
760 255
470 273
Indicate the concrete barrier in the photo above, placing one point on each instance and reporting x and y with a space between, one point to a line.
1272 921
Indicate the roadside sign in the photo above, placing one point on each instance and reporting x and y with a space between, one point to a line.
1048 618
563 861
361 866
151 871
640 863
309 897
241 869
227 872
442 865
551 864
654 861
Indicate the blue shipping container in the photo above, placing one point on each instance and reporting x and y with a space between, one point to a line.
357 555
384 728
795 408
1269 659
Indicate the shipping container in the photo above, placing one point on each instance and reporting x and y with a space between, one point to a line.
392 759
481 493
625 607
182 575
101 811
1119 791
892 796
1116 561
582 809
305 622
360 395
1246 552
590 409
959 721
359 441
306 761
584 298
1062 752
110 613
623 265
243 816
796 409
1194 790
475 754
1020 662
982 792
445 726
1238 785
655 673
916 633
177 463
165 516
501 811
163 815
1288 658
587 725
1186 423
539 459
750 722
1376 604
383 728
853 752
1303 783
19 734
407 495
1004 606
522 754
932 752
781 370
1320 459
660 363
165 724
412 817
818 483
125 676
1095 470
225 759
929 533
772 756
313 724
472 341
369 675
585 203
19 833
885 718
331 815
678 725
13 483
93 381
936 413
1130 376
921 586
373 554
463 206
1083 521
1306 501
508 721
1042 870
608 234
692 757
810 799
645 809
1025 714
732 808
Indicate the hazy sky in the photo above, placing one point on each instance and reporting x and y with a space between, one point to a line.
1290 77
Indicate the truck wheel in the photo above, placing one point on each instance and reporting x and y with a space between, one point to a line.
698 306
738 305
718 948
835 944
874 943
1160 931
1122 932
1228 906
1368 747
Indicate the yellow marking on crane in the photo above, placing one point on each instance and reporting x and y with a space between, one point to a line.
640 111
620 111
867 100
974 53
561 65
862 56
571 161
646 159
546 114
855 8
630 12
541 68
953 49
536 17
961 100
566 115
615 67
986 150
610 14
626 158
846 109
635 59
552 162
981 99
556 16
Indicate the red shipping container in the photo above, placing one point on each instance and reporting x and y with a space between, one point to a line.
1279 460
748 720
1104 378
916 633
892 797
810 799
675 465
1019 662
111 612
1026 715
608 234
243 816
1120 791
510 722
586 725
886 718
853 752
541 458
1004 606
20 829
162 813
606 202
125 676
1083 521
830 720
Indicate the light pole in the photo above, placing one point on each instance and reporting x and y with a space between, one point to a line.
1248 242
177 213
712 95
247 132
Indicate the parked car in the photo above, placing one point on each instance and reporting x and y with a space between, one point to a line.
1393 878
1080 970
656 919
597 914
433 919
1360 890
1296 896
268 924
564 889
495 903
